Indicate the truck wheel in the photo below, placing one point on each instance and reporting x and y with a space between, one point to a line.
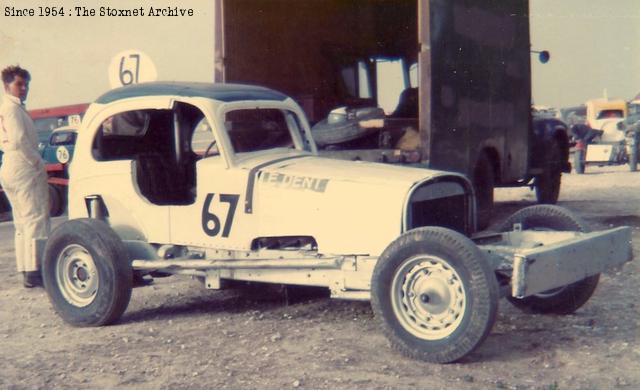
87 273
434 294
562 300
578 161
548 183
483 183
55 201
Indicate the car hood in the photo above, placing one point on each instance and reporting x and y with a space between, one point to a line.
313 167
346 206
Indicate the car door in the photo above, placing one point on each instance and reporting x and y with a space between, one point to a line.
217 218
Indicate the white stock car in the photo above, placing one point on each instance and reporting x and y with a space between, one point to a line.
257 204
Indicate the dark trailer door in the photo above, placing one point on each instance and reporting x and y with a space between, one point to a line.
476 84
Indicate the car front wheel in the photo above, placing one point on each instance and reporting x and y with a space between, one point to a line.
435 295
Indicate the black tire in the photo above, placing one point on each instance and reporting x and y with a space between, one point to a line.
93 252
64 198
633 152
459 279
563 300
483 184
548 183
55 201
578 161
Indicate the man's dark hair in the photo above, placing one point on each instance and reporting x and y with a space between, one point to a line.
10 72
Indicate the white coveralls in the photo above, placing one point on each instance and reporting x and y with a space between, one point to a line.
24 180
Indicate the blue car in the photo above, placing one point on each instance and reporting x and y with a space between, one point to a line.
59 147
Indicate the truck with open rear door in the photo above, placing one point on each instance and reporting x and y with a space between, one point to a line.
459 69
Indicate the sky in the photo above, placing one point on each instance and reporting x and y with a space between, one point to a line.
69 56
594 45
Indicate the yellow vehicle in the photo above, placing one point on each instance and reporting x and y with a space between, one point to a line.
603 140
601 112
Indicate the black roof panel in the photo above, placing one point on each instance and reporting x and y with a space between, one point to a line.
219 91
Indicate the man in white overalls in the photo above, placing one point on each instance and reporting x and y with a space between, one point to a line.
22 175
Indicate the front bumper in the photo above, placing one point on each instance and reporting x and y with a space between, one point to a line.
541 261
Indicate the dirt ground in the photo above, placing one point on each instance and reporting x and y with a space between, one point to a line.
176 334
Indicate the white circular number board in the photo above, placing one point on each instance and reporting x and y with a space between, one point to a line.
74 120
62 154
131 67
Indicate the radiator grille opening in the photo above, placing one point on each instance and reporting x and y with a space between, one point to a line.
450 212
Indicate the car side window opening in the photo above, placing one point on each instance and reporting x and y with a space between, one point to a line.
356 80
203 140
395 88
159 142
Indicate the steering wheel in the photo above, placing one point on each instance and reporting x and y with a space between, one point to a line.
206 152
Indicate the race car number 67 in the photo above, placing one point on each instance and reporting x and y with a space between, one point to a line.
211 223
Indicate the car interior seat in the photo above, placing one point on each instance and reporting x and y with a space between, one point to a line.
159 180
407 104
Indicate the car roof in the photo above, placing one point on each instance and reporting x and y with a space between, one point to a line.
65 128
218 91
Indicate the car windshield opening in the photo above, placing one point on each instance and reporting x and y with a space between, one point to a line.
606 114
252 130
63 138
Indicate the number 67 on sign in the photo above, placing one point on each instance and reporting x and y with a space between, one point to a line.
131 67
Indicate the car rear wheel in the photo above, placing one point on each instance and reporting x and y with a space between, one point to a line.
87 273
4 203
434 294
55 201
566 299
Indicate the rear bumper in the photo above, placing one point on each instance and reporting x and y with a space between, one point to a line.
605 153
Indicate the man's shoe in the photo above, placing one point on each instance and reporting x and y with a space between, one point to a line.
32 279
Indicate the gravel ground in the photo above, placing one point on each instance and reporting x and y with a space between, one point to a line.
176 334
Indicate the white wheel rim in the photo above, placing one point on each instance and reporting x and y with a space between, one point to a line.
77 275
428 297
